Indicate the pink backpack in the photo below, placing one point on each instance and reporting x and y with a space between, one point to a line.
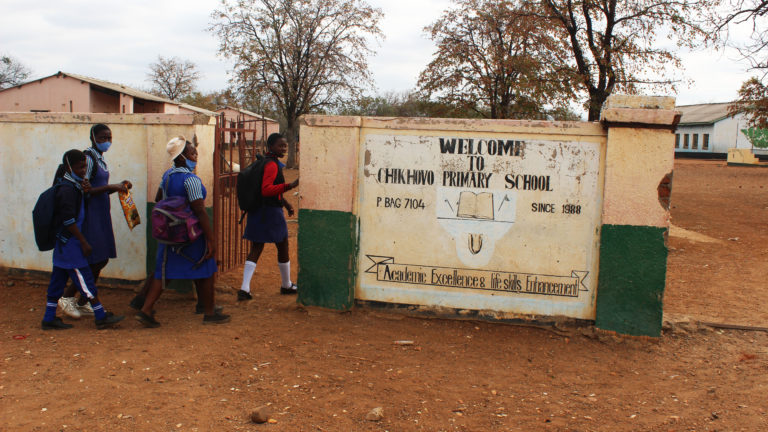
174 223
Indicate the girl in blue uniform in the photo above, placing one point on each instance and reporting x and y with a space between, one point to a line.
72 248
182 181
267 224
98 229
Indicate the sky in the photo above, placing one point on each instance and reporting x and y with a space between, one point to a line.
117 40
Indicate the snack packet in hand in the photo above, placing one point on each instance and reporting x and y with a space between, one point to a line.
129 209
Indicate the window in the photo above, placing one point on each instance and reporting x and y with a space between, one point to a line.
677 140
685 141
695 143
705 142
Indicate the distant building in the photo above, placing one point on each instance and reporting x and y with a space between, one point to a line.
706 130
67 92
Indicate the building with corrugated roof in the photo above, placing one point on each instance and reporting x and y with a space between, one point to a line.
68 92
708 130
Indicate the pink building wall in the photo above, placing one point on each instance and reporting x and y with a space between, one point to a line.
55 94
102 102
62 93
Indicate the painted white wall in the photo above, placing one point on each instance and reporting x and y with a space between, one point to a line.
31 148
723 134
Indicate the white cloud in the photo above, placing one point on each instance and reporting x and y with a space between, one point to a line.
117 40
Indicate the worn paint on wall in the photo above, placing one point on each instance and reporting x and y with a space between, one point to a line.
32 147
487 222
448 229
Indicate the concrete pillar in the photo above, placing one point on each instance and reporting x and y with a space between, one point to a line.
633 253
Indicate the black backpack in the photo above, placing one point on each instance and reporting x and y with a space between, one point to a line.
249 185
44 218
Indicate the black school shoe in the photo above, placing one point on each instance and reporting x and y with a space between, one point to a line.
292 290
216 318
137 302
147 320
244 296
201 309
56 324
108 321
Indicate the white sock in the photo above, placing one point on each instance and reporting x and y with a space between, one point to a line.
285 273
248 270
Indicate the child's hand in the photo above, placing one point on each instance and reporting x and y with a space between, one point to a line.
294 184
127 184
289 208
86 185
119 187
87 249
210 249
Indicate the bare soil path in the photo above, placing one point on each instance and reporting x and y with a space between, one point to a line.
324 371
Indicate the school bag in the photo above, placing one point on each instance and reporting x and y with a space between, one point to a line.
175 225
173 221
44 218
249 185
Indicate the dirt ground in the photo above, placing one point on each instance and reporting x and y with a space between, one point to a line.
325 371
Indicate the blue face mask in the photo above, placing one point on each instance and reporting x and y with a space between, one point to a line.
72 174
103 147
191 164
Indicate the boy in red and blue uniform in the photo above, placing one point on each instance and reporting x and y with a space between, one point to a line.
71 250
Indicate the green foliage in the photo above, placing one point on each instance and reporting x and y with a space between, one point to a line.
758 137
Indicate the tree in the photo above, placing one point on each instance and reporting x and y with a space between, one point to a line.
614 44
753 94
752 13
496 59
301 56
405 104
12 72
172 77
210 101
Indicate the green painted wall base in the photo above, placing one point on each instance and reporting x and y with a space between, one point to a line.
180 285
633 267
327 256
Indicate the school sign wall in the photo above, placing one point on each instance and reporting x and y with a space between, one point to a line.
502 220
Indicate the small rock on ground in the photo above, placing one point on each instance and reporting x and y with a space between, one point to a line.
261 414
375 414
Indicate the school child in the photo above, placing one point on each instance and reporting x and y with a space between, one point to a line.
181 181
267 224
98 229
72 249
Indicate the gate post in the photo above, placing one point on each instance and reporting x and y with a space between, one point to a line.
635 221
327 225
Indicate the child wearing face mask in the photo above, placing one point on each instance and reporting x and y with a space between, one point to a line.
196 260
72 248
98 229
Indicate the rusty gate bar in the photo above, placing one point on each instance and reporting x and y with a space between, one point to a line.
232 152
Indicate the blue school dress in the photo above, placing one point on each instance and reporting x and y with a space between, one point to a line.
67 253
98 225
182 182
267 223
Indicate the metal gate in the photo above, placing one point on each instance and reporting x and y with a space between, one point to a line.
238 141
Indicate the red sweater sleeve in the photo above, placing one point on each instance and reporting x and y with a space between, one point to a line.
267 188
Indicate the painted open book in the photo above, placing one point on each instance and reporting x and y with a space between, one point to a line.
476 206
